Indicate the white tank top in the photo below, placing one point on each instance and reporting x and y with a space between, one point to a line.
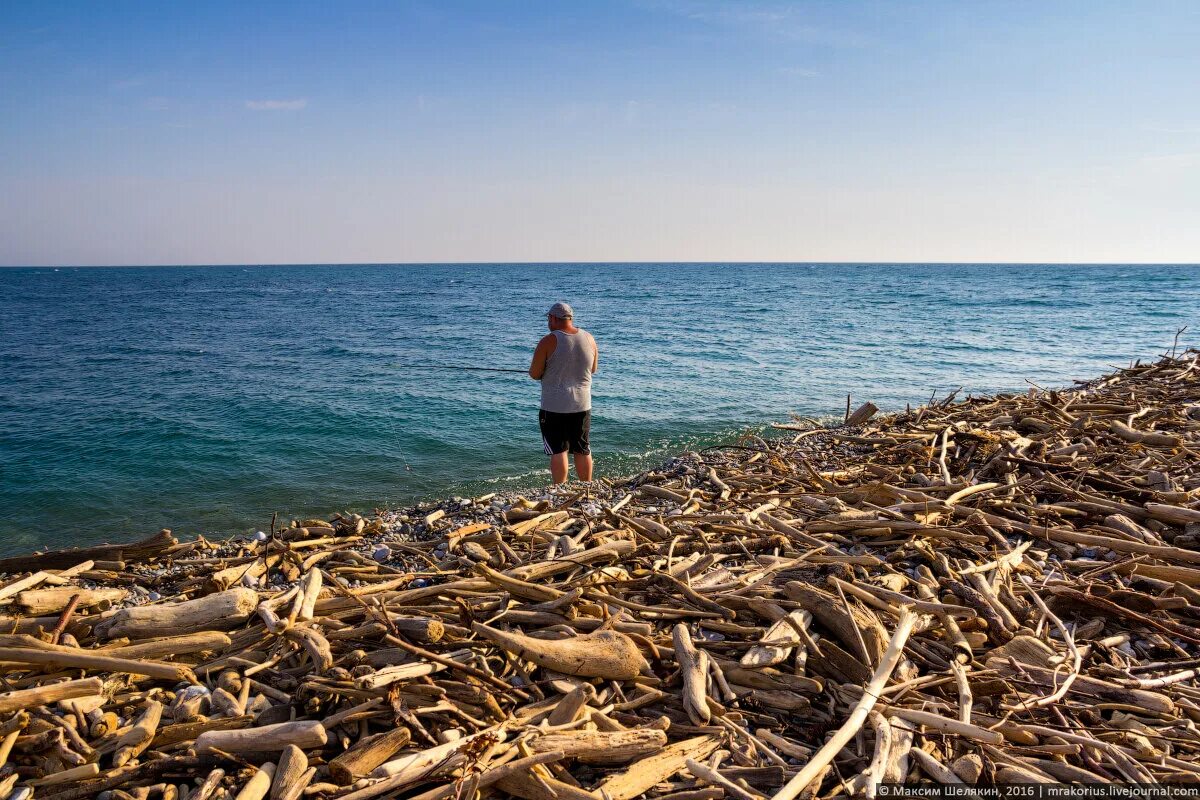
567 382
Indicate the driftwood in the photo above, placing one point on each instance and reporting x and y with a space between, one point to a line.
1001 588
359 760
607 654
144 550
213 612
267 738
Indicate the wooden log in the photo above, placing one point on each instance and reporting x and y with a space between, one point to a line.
1174 515
218 611
693 668
606 654
861 414
771 651
268 738
1086 685
452 788
946 725
134 741
49 693
58 559
545 569
168 735
366 755
259 784
1152 439
14 588
289 771
601 747
854 626
517 587
80 773
171 646
572 703
640 776
310 592
51 601
87 661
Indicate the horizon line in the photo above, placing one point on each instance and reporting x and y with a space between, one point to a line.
609 263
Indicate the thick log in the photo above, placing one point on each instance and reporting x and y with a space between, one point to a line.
602 747
131 552
1143 437
171 646
359 760
606 654
289 771
218 611
268 738
51 601
854 626
411 767
50 693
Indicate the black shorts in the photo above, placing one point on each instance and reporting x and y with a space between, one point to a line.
563 432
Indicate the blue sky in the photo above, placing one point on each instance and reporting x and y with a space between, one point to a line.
170 133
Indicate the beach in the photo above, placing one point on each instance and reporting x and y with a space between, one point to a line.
992 589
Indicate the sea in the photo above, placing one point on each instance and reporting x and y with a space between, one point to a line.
208 399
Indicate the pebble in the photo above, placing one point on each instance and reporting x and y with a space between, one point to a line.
260 536
191 692
418 583
382 553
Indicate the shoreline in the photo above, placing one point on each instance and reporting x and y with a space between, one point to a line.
999 589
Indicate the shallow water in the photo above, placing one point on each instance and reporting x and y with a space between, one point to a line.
204 399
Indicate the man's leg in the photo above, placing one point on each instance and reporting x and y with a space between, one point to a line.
581 447
558 467
583 466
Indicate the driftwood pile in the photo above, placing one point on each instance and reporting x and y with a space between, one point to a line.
1003 589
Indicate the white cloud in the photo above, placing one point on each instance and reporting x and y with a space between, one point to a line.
277 105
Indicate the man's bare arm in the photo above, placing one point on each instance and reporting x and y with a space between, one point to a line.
537 368
595 357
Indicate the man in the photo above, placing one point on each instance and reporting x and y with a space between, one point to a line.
564 361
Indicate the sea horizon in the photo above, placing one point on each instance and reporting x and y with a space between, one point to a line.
851 263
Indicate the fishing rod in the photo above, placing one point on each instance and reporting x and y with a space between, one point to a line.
455 367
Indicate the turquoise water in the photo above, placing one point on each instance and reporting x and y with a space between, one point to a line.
204 399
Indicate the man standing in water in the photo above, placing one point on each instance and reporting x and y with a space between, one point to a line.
564 361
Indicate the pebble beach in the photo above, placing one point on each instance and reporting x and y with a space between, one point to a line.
984 589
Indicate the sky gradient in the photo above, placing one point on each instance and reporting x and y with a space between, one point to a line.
663 130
